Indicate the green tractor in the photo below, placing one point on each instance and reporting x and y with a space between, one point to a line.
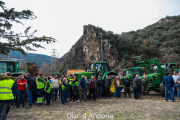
99 68
155 72
58 75
12 67
132 72
178 70
9 66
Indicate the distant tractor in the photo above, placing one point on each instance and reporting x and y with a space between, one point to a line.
8 66
178 70
99 68
12 66
58 75
156 72
132 72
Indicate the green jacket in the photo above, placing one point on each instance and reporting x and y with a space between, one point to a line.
145 82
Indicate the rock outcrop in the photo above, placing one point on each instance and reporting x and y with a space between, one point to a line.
88 48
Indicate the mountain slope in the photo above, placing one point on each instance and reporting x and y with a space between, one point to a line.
160 40
31 57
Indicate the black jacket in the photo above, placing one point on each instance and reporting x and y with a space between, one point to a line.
99 83
136 82
30 84
66 85
126 82
107 82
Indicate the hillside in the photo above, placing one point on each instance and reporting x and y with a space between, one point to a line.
31 57
160 40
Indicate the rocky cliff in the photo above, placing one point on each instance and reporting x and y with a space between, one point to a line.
88 48
160 40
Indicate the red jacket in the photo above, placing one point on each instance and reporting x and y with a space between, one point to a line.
22 87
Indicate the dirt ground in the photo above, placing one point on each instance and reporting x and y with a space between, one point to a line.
151 108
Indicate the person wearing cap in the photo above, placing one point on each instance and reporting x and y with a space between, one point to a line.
30 87
47 90
40 89
144 88
127 85
7 93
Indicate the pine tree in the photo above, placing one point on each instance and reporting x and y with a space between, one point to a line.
18 41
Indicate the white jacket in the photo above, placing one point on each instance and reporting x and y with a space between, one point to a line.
54 83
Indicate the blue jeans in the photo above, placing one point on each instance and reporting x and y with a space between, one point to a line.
117 92
29 97
171 92
136 91
23 94
176 88
44 99
48 98
64 93
86 92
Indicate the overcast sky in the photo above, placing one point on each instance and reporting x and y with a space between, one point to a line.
64 19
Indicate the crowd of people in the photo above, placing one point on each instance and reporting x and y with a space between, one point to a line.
42 89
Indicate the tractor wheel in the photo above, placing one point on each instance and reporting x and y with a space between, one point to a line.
131 88
162 89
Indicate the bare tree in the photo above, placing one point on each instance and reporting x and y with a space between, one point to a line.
45 69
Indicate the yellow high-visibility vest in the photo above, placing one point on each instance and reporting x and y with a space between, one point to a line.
6 89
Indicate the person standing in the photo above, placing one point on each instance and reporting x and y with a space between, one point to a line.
136 85
74 84
117 85
176 78
107 84
54 88
99 87
92 88
87 84
34 95
30 87
7 93
70 87
139 86
21 91
47 90
127 85
64 90
145 84
44 94
40 89
168 83
82 88
16 92
60 89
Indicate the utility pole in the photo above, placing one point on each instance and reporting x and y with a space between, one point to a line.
101 48
53 58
